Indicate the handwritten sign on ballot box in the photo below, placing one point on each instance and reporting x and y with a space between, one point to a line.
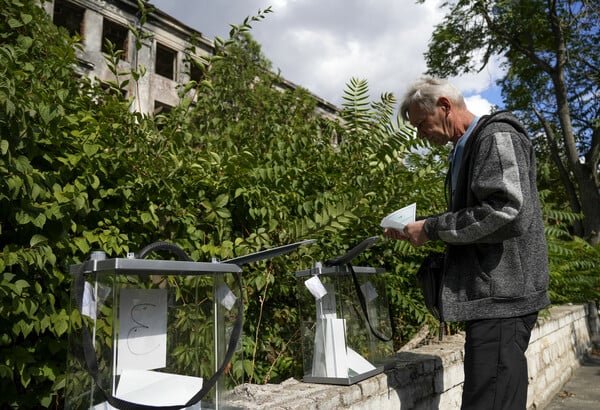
142 343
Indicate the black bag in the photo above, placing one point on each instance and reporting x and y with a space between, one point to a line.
429 277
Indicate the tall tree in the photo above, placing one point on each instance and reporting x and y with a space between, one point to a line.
549 49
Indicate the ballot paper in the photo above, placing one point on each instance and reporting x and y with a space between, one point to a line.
157 388
330 357
399 219
358 364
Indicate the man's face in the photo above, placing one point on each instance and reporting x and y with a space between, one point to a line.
433 127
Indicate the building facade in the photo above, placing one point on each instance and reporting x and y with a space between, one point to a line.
163 52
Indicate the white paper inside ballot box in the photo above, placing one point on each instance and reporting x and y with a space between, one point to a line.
358 364
156 388
330 358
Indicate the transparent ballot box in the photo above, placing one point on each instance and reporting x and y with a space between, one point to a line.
153 332
345 321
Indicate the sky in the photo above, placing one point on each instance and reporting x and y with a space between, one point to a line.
321 45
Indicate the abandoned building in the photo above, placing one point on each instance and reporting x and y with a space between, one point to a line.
162 52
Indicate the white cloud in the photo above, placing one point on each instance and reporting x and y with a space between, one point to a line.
478 105
481 81
321 45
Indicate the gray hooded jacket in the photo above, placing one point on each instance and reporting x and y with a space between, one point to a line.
496 262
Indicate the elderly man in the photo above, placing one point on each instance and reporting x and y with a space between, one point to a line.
496 265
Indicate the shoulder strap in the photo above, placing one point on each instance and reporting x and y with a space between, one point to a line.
363 306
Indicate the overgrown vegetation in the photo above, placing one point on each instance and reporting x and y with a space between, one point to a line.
241 165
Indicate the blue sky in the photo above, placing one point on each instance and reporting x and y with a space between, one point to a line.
321 44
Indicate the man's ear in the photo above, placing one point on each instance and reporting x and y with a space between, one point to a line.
445 104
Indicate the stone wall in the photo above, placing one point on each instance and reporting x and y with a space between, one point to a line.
431 376
558 343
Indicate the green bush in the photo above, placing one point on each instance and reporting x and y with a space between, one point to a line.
237 170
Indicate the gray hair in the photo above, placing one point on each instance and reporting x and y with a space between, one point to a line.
425 93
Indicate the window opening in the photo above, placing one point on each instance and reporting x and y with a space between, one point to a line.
161 107
165 61
196 73
69 16
117 35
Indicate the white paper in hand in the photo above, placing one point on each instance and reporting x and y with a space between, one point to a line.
398 219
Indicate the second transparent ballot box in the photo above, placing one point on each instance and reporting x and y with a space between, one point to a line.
345 321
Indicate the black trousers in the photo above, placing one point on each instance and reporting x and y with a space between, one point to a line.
495 364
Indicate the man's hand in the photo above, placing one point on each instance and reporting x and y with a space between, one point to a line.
413 232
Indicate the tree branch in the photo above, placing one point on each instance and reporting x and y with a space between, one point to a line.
562 170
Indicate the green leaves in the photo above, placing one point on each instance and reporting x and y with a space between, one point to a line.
23 19
37 239
574 263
